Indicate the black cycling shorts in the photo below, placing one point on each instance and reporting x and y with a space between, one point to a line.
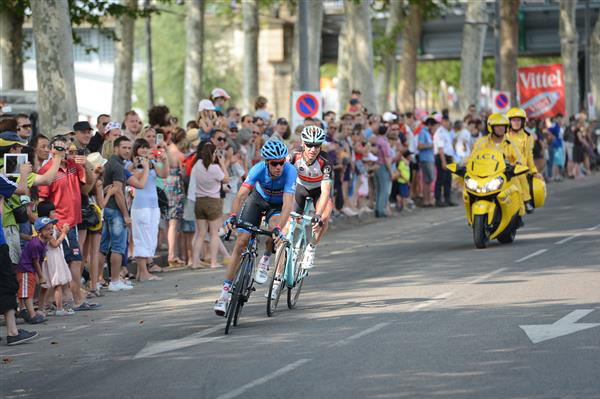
255 208
300 197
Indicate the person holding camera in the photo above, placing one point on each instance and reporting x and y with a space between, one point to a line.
209 171
147 165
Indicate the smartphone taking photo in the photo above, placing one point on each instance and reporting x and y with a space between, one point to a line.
12 164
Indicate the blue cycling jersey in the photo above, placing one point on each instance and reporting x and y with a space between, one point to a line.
270 189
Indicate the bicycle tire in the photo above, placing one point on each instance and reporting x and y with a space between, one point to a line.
235 296
294 291
282 254
246 280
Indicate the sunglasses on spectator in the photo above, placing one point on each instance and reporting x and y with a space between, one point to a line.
312 145
277 163
28 126
256 132
223 139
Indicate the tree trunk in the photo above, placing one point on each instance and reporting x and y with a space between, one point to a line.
411 37
250 22
392 34
123 76
194 59
57 101
472 54
11 49
343 69
314 27
595 66
568 52
509 39
362 69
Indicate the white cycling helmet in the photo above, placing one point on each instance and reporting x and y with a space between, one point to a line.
313 134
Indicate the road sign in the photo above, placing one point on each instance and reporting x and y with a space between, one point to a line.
501 101
305 104
565 326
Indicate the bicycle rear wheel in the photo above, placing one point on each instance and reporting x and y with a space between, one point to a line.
238 288
280 262
294 291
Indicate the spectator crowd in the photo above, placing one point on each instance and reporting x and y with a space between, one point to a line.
89 201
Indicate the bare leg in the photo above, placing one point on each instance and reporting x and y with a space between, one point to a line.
201 227
171 237
214 241
75 267
115 267
11 323
58 297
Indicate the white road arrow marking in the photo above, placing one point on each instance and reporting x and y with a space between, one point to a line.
565 326
155 348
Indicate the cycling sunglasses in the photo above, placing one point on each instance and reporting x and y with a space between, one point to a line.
312 145
277 163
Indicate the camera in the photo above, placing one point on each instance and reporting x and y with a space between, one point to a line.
59 148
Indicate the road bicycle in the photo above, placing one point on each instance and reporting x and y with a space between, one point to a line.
243 284
287 272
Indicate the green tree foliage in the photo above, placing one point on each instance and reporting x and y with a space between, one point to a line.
168 51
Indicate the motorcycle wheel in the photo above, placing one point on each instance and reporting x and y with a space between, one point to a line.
508 235
480 234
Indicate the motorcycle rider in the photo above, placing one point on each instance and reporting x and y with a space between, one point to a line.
524 142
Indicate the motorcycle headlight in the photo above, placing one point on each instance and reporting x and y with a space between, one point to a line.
471 184
494 184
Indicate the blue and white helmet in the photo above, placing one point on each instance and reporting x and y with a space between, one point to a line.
313 134
273 149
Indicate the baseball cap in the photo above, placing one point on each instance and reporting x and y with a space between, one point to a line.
24 199
111 126
82 125
282 121
206 105
192 136
388 116
218 92
40 223
232 125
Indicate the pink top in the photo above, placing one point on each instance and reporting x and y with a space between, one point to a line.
208 182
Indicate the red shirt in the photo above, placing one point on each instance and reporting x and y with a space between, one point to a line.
64 192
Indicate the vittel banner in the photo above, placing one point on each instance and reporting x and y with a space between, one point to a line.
541 90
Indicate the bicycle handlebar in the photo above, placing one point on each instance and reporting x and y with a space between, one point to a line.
250 227
312 219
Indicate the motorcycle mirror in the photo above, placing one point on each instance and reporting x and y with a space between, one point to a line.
451 167
520 169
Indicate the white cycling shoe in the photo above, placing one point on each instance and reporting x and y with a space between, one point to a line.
262 271
221 304
308 261
275 291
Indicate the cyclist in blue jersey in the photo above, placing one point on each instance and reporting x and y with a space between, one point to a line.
269 190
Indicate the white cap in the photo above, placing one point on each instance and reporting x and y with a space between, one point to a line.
112 125
388 117
205 105
216 93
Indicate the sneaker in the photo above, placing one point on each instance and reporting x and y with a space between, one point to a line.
276 287
37 319
262 270
349 212
309 257
222 303
64 312
21 338
118 286
23 314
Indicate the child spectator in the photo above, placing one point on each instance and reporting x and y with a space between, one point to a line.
55 269
25 229
29 269
402 177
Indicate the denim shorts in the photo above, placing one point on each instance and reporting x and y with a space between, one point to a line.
114 232
71 246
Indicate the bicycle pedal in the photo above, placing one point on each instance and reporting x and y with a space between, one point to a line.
253 289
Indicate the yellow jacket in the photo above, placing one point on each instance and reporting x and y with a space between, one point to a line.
508 149
524 142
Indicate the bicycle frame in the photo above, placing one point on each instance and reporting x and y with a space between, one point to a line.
296 239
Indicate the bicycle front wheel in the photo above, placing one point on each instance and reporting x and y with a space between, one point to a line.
280 264
236 300
294 291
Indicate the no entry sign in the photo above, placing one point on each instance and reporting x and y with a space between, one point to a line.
305 104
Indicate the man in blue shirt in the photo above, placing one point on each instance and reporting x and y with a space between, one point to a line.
427 158
556 159
270 188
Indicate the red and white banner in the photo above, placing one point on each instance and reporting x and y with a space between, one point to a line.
541 90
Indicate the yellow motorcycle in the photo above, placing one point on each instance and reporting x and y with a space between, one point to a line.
492 198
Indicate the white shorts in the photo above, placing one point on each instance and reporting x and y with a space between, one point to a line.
13 240
144 225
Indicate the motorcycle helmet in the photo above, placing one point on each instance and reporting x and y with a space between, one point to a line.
496 120
517 113
538 192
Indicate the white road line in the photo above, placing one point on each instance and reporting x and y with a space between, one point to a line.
593 228
567 239
486 276
351 338
262 380
536 253
156 348
431 301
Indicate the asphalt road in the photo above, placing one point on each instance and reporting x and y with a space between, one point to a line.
404 307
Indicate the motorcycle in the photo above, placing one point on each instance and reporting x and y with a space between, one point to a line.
492 199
